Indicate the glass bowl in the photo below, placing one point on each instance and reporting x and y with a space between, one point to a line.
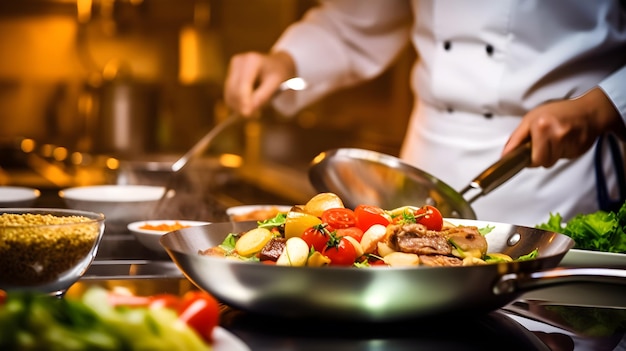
47 249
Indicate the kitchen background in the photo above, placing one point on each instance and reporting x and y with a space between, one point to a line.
106 91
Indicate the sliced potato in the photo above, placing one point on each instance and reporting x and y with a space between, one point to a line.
402 259
295 254
384 249
372 236
321 202
317 260
252 241
472 261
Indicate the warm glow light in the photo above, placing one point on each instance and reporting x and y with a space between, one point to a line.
59 153
46 150
27 145
76 158
83 10
231 160
189 69
113 163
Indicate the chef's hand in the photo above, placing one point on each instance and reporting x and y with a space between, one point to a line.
253 78
566 128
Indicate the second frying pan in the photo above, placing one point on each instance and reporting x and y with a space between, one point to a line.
367 177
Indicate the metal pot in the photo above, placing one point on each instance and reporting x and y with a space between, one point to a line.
379 294
367 177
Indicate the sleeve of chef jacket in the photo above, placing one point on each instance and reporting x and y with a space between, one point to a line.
342 42
614 86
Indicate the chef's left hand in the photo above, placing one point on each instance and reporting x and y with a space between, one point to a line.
566 128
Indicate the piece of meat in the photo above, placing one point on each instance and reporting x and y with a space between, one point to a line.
272 250
440 260
213 251
415 238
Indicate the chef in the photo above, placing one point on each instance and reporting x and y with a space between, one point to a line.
490 75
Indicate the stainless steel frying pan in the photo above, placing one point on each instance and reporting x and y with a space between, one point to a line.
383 293
367 177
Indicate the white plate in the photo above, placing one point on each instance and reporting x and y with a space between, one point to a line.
223 340
587 258
150 238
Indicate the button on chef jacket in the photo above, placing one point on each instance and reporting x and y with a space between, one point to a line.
481 66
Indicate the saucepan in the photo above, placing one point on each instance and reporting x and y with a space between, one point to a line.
380 294
368 177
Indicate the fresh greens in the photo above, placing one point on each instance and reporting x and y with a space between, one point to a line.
597 231
34 321
277 221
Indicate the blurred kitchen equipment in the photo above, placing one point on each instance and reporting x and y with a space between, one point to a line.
294 84
368 177
380 294
125 122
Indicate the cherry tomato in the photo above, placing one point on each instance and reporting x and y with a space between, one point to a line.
165 301
430 217
338 218
354 232
367 216
340 251
317 236
200 311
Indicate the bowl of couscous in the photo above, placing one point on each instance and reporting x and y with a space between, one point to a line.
47 250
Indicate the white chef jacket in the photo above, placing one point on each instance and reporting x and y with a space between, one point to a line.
482 65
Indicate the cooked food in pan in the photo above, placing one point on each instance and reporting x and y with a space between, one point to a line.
323 232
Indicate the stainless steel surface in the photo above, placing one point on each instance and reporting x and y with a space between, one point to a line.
371 294
498 173
369 177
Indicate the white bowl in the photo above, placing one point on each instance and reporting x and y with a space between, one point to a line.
120 204
254 212
150 237
18 196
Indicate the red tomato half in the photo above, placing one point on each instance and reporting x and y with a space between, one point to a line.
340 251
200 311
340 217
430 217
354 232
367 216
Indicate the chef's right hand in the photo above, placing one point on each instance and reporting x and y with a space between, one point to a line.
253 78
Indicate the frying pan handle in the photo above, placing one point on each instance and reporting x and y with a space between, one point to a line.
514 282
500 172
